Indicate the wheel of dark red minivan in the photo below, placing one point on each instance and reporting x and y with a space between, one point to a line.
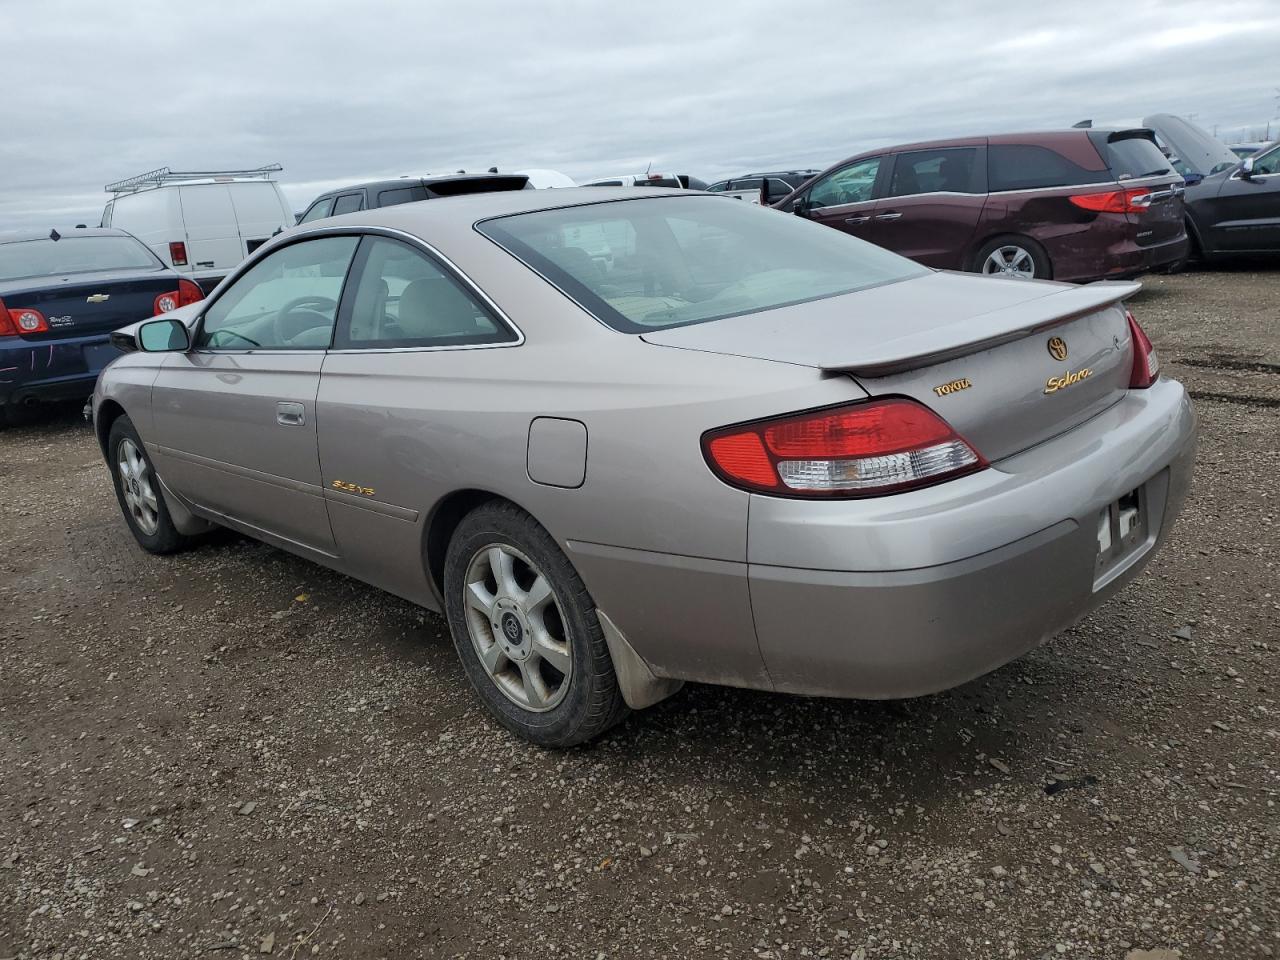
1014 257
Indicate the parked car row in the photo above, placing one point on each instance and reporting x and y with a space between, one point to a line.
1072 205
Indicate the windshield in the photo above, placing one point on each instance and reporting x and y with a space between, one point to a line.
24 259
1195 148
646 264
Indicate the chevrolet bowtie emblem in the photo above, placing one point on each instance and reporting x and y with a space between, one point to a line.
98 298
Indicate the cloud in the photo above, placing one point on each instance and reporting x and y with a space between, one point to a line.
344 92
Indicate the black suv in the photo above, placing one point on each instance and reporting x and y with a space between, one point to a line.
386 193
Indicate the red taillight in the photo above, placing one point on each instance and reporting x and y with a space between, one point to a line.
1114 201
1146 365
189 292
21 320
178 253
861 450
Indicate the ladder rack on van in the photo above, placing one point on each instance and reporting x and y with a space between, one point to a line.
156 178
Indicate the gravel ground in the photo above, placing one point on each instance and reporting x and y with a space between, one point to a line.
236 753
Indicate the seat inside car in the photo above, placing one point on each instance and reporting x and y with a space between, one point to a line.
433 308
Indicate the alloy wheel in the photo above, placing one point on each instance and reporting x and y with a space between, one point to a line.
517 628
1010 261
135 482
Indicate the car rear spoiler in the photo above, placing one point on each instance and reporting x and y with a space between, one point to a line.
974 334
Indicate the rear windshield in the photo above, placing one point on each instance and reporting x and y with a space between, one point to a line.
646 264
47 258
1135 157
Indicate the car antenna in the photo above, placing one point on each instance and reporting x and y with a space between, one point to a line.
1083 125
54 235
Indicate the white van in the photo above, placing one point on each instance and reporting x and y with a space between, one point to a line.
200 223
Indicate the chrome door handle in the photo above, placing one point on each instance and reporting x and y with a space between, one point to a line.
862 219
290 414
888 216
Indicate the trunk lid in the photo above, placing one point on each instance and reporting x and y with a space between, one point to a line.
1137 164
975 349
88 303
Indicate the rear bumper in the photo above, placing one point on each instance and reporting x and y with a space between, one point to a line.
62 369
1004 562
907 595
1123 257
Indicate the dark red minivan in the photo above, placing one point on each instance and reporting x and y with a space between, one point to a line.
1068 205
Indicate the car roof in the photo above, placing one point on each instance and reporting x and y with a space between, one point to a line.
415 181
774 173
462 212
1032 138
17 236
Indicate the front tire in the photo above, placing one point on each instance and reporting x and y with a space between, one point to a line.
138 492
1014 257
526 630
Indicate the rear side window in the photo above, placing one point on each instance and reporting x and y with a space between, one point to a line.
935 171
389 198
1017 166
348 203
405 299
1135 157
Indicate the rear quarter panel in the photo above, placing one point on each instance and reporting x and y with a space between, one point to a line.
1076 240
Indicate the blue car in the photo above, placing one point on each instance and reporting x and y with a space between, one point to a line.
61 295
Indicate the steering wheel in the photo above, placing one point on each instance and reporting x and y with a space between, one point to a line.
322 309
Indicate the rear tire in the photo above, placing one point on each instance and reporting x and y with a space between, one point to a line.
526 630
1016 257
138 492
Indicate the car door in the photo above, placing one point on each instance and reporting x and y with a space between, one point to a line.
234 418
408 360
213 234
845 198
932 205
1246 212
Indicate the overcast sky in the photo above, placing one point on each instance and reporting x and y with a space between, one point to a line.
96 91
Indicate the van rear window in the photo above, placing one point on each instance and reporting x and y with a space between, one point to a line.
1018 166
1134 157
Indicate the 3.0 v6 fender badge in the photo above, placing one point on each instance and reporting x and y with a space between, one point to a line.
1054 384
352 488
954 386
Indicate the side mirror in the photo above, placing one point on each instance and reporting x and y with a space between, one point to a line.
1246 168
164 336
800 205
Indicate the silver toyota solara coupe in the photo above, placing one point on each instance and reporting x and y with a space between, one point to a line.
624 439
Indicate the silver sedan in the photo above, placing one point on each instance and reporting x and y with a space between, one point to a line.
624 439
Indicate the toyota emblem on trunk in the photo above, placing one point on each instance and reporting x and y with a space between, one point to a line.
1057 348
